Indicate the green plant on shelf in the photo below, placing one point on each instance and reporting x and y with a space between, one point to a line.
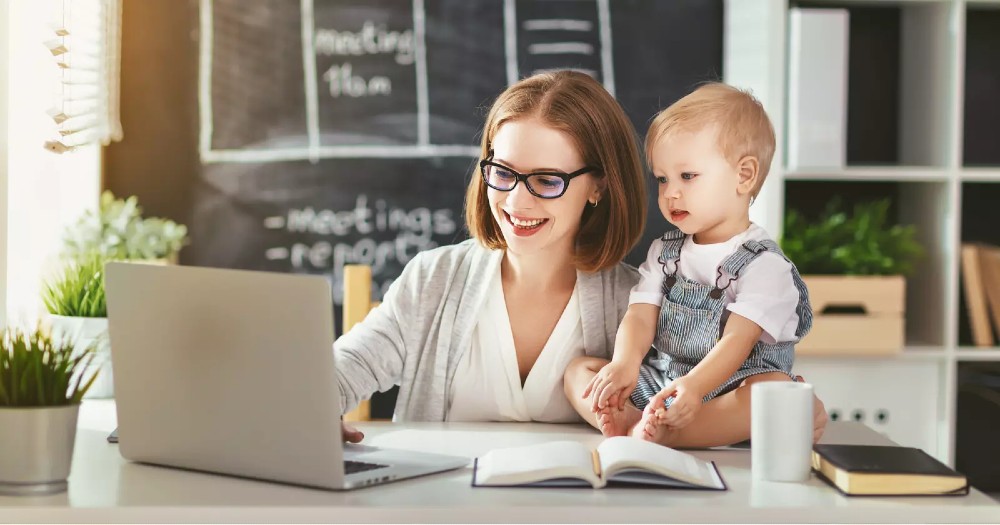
39 371
863 242
78 289
118 231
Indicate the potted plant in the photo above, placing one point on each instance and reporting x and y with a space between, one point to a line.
118 231
75 297
854 266
78 312
42 381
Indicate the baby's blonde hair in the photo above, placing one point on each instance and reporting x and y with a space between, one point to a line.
743 126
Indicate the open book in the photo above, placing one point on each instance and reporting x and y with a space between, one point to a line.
617 461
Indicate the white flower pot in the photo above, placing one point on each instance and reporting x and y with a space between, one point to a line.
37 448
84 331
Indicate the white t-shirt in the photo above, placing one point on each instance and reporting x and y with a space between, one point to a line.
487 384
764 293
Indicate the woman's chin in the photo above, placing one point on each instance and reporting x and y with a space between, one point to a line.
524 246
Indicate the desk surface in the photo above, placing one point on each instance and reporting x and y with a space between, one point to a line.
104 487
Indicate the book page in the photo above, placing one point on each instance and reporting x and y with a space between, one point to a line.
625 453
534 463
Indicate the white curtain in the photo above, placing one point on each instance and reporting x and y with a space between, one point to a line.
85 43
44 192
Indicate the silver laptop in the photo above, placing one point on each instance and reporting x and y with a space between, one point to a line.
232 372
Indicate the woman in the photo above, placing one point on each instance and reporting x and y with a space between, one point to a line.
483 330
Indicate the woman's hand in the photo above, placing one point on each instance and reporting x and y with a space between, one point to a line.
351 434
687 402
612 385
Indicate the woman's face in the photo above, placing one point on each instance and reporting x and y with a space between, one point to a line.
531 224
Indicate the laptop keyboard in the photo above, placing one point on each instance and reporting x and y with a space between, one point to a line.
353 467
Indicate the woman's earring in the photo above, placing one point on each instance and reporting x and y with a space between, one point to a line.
594 203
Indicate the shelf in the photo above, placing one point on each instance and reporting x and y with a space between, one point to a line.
900 66
921 130
972 353
876 3
981 174
910 353
871 174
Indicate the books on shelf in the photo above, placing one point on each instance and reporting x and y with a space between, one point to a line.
623 461
817 87
870 470
981 284
989 262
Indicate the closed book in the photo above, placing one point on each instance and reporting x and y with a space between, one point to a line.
869 470
622 461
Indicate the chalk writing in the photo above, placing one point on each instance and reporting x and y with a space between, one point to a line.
382 236
370 40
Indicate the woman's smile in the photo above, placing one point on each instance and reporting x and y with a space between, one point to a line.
524 226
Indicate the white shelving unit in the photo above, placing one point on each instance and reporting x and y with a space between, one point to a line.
916 391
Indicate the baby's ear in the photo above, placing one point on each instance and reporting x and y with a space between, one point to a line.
748 172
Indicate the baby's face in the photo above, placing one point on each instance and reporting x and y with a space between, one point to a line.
697 185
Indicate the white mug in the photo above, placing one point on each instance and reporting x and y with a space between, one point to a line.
781 430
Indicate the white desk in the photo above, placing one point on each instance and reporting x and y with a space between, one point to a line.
105 488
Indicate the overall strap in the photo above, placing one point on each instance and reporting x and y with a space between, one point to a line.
734 265
672 242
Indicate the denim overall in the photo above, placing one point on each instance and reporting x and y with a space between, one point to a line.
693 317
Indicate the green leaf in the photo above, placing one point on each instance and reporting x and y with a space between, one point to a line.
860 243
36 371
78 291
117 230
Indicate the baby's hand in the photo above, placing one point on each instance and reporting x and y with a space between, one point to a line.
612 384
687 402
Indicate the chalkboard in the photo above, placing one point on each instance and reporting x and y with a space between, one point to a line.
297 136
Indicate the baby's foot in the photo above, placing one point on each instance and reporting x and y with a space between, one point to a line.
614 422
651 428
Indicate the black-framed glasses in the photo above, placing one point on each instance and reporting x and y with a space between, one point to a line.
542 184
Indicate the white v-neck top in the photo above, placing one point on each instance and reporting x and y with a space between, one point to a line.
487 384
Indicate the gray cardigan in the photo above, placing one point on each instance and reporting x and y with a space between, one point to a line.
417 336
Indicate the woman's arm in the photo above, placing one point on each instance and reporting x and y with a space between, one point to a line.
370 357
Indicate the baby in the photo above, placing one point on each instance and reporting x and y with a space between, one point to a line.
718 306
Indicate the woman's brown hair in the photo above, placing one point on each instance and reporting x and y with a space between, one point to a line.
579 106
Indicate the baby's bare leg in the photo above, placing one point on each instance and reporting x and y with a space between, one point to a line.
722 421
